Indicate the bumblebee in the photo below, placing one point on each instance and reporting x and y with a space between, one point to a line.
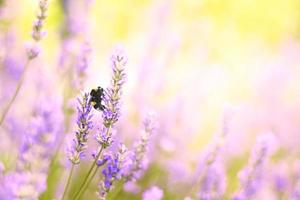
96 98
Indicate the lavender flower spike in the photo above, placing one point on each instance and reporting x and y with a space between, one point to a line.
29 179
32 51
138 165
112 171
37 34
84 124
211 179
112 95
111 99
110 114
251 177
213 182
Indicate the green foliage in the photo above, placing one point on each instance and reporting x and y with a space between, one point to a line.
54 175
235 165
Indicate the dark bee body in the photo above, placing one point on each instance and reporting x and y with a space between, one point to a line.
96 98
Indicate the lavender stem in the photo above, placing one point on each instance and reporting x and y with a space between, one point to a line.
86 181
20 83
68 182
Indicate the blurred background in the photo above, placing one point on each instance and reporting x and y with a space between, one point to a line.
192 62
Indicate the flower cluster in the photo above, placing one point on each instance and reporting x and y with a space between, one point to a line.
117 162
110 115
37 32
211 179
139 156
251 176
28 180
213 182
111 99
112 171
84 125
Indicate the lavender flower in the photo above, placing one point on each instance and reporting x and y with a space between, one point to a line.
84 125
213 182
76 17
110 115
280 183
139 156
28 180
280 179
37 34
100 162
251 177
112 171
33 50
111 99
154 193
212 179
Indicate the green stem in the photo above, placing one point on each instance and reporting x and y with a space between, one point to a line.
87 184
82 188
20 83
68 182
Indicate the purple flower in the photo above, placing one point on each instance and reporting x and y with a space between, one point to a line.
279 177
212 179
28 180
154 193
212 182
103 138
280 183
33 50
252 175
103 160
84 125
111 99
112 170
139 154
37 33
76 17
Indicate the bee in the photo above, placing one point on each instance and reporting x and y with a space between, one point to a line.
96 98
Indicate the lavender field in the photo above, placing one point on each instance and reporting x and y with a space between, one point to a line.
149 100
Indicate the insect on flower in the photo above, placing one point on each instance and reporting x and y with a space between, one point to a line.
96 98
